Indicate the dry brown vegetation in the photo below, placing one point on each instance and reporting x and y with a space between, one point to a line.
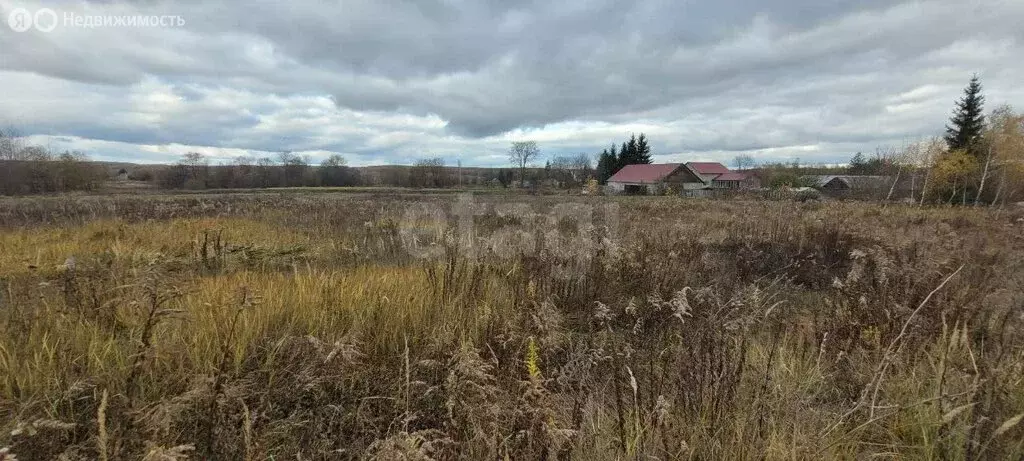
265 326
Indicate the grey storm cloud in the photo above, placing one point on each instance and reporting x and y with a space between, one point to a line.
489 68
709 77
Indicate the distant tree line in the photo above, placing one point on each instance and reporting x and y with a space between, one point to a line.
430 173
194 171
28 169
794 173
882 163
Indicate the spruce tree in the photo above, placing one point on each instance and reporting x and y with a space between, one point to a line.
635 151
631 147
858 164
968 121
643 151
607 165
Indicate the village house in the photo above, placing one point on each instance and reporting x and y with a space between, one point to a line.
866 186
707 171
720 177
657 178
838 183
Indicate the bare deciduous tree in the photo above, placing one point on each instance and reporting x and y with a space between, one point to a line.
520 155
921 156
11 144
571 170
743 162
899 159
1005 138
580 164
429 172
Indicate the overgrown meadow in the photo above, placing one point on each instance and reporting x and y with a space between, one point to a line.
308 326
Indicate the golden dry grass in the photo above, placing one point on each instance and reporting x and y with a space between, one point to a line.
274 327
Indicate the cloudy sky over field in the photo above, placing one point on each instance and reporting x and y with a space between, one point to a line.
382 81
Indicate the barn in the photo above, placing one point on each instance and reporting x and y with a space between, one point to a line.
850 185
836 183
656 178
707 171
651 179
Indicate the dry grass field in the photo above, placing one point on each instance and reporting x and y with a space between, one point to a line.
258 326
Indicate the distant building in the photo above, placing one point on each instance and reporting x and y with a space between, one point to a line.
649 179
707 171
905 185
733 181
717 176
838 183
655 178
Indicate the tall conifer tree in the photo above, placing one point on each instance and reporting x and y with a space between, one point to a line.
643 150
968 121
606 165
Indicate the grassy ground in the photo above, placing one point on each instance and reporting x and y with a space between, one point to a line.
306 326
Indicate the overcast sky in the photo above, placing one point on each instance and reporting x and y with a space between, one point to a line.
383 81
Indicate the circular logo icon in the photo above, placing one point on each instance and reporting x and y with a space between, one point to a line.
21 20
45 20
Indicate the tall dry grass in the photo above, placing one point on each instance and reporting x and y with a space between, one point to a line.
272 326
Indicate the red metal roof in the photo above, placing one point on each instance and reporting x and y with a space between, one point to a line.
643 173
731 177
707 167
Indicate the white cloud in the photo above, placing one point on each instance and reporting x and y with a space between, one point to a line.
389 83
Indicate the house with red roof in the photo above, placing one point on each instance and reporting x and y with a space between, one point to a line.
656 178
719 177
708 171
